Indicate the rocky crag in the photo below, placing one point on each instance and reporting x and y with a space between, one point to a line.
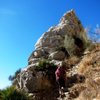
66 42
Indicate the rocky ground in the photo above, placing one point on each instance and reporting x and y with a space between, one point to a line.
87 71
82 79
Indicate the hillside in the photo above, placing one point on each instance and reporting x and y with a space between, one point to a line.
66 42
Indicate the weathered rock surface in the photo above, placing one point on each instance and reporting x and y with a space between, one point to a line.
57 55
65 39
69 34
31 81
50 43
49 46
69 25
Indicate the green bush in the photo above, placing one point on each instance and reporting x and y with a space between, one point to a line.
43 63
11 93
47 67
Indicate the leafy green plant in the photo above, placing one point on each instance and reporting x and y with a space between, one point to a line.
44 65
11 93
47 67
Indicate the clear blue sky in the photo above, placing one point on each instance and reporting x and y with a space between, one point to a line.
22 22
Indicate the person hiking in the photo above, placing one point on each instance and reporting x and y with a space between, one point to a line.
60 77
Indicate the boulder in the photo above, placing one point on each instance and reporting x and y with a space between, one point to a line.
31 81
58 55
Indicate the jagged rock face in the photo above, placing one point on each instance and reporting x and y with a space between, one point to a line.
58 55
68 34
69 25
31 81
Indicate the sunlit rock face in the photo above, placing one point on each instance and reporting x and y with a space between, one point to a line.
57 44
31 81
69 26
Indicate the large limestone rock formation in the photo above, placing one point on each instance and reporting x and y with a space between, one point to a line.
69 33
57 44
69 26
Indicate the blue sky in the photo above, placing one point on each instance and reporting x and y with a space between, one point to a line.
22 22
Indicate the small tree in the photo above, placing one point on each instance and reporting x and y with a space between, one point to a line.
12 77
94 34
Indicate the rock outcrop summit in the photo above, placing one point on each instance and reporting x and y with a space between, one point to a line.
69 33
66 42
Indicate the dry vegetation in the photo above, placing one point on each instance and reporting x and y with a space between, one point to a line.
90 68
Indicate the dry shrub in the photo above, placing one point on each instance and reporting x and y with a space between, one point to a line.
91 47
85 65
76 90
72 60
83 69
92 90
92 84
89 66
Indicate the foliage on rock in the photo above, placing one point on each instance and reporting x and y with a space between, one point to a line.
47 67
